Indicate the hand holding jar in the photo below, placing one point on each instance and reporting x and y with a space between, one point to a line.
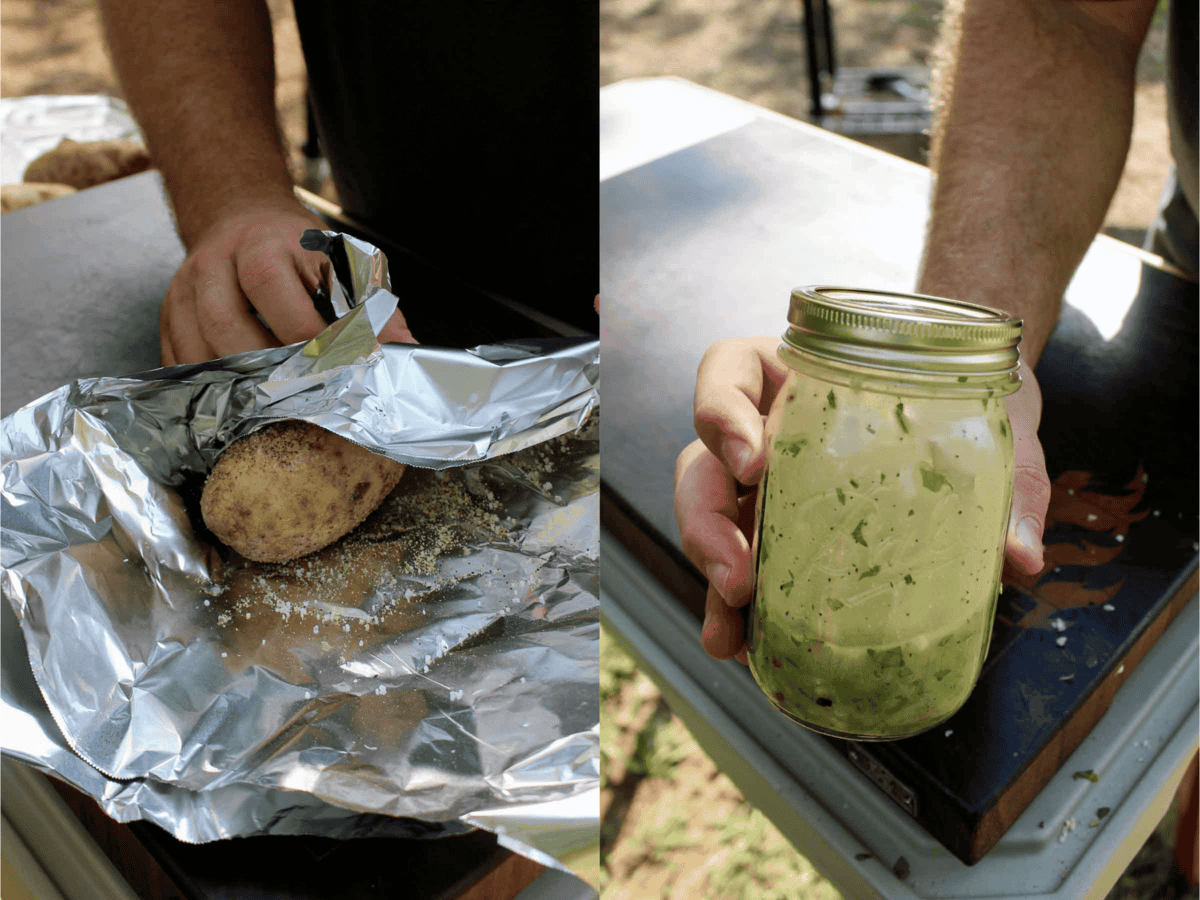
833 587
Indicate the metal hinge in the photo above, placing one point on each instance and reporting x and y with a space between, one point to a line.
883 779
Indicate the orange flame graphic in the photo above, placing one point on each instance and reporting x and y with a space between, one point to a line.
1071 504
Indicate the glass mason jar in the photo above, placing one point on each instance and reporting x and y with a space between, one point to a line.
882 515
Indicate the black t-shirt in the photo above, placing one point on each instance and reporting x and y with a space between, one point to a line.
1178 217
468 132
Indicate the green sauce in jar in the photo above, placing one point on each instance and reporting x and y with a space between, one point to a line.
881 517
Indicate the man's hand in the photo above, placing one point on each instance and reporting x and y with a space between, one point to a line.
1031 483
200 77
247 262
735 386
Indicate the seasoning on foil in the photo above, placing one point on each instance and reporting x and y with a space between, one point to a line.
436 667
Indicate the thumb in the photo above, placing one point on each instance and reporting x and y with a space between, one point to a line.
1031 483
396 331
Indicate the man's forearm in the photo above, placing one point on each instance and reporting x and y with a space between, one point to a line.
1031 136
199 76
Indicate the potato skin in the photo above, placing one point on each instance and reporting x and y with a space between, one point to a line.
85 164
19 196
292 488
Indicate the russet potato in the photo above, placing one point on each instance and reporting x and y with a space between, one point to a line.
85 164
19 196
292 488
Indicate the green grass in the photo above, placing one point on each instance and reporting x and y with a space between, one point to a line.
743 855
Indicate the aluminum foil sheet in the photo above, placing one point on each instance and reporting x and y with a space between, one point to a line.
434 671
31 126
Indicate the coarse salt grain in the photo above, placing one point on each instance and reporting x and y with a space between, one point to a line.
1068 826
1062 641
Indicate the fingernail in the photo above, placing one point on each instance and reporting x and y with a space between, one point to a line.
718 576
738 454
1025 534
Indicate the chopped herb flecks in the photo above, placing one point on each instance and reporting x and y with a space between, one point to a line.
858 535
933 480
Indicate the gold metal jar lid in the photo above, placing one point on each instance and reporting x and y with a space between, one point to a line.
907 333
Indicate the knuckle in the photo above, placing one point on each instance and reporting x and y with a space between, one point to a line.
693 553
213 313
1032 483
193 265
693 547
681 464
259 268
